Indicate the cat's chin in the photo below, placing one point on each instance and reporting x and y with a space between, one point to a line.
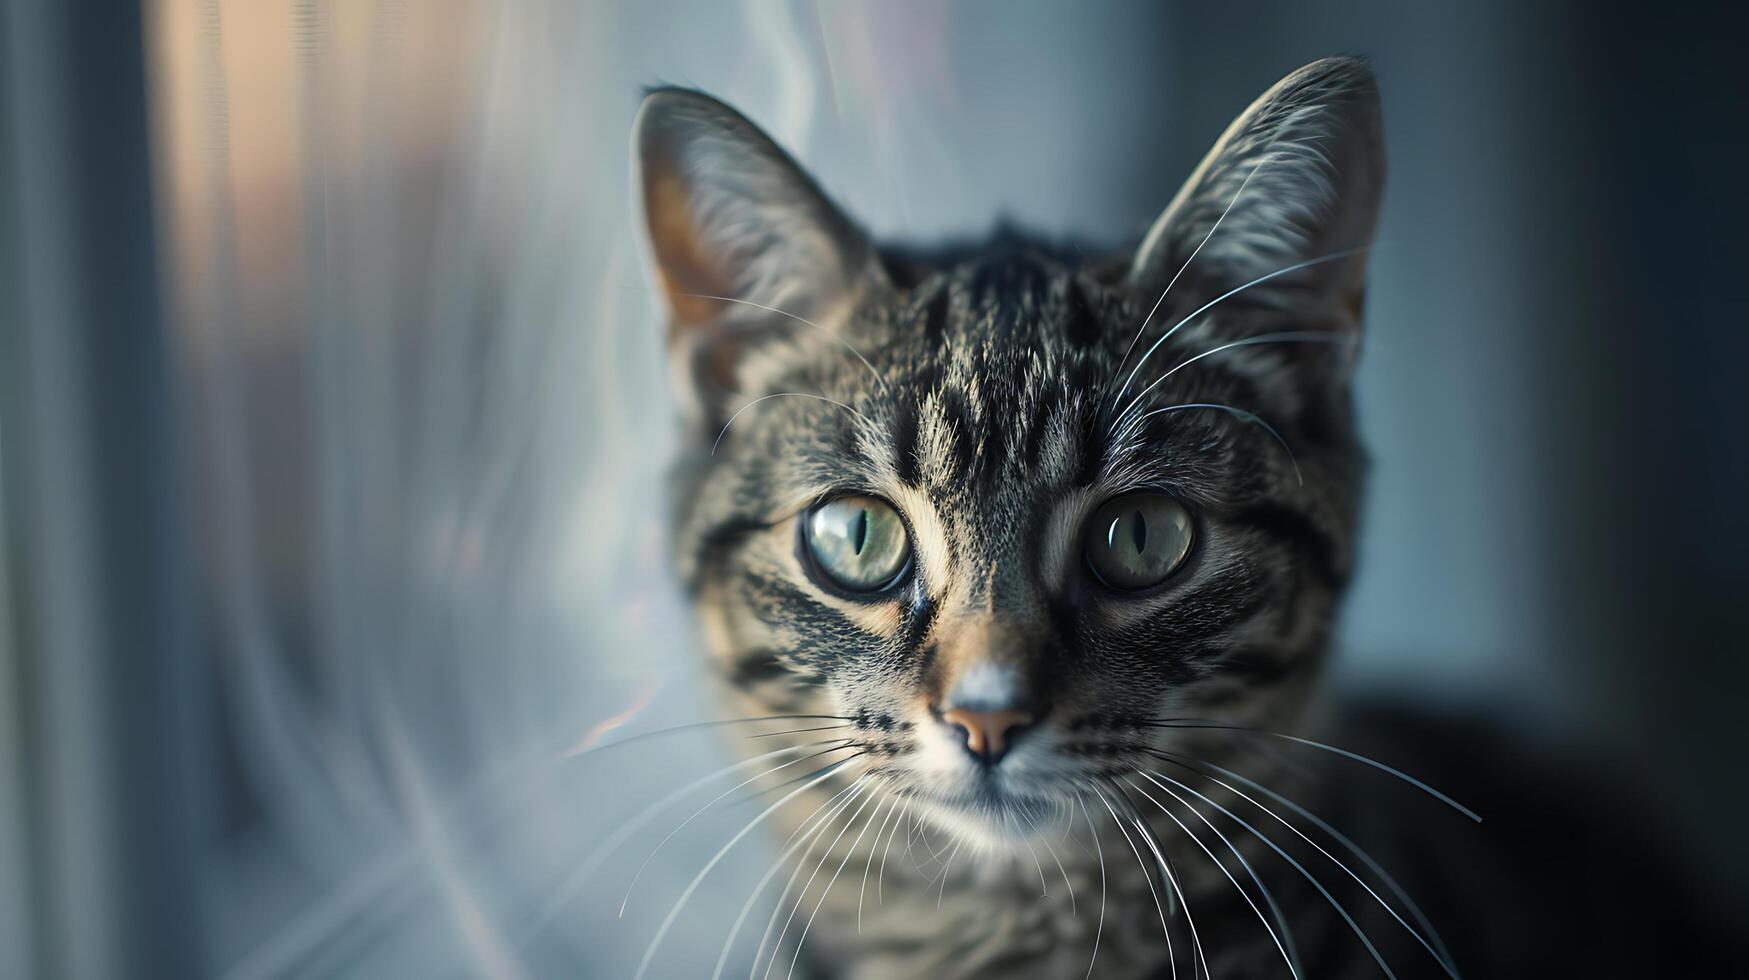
996 816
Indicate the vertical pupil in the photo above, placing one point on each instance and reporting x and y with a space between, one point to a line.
859 531
1138 531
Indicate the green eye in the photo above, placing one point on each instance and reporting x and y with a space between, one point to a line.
1137 540
859 542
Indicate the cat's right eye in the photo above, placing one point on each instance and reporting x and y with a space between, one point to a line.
1138 540
858 542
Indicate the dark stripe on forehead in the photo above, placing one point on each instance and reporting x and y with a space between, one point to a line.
935 314
1090 447
1082 325
904 431
1036 425
967 434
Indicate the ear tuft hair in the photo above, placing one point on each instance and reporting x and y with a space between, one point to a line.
1297 177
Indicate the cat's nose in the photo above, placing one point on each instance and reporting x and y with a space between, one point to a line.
988 733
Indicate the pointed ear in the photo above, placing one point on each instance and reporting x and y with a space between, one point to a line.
735 227
1298 177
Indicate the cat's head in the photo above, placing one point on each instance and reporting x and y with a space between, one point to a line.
1005 512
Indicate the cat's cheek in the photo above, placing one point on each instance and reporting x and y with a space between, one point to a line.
880 620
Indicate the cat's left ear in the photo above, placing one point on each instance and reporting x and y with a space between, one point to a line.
1298 177
738 231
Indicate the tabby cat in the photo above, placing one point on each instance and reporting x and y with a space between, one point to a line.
1038 555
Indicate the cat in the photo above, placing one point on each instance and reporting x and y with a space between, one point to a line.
1039 554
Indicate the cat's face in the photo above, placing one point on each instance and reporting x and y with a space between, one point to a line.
969 505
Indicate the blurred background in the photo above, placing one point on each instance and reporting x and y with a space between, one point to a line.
333 427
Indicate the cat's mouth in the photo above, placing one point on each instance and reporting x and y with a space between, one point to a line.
996 807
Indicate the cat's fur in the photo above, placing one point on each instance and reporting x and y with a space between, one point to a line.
988 394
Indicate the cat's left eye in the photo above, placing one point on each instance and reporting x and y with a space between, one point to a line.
1138 540
858 542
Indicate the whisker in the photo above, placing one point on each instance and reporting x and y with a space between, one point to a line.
1009 818
690 726
1356 850
804 832
940 892
834 880
1100 929
830 333
692 886
1199 311
862 893
756 794
935 855
1285 337
783 394
801 896
1205 240
797 731
1449 969
1292 966
696 813
1148 876
1060 870
789 885
575 882
1272 845
1346 753
1237 413
1172 880
881 877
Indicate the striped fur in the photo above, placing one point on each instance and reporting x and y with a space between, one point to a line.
977 390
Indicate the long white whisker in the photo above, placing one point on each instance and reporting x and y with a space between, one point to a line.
1285 337
796 731
830 333
1272 845
700 811
803 938
862 893
1237 413
692 886
1007 819
1286 936
1042 839
939 892
1290 960
1400 774
1356 850
1100 929
1172 880
1148 876
783 897
783 394
804 832
1199 311
575 881
881 877
587 748
1450 971
1345 753
1205 240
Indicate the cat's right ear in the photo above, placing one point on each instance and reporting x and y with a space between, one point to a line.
743 241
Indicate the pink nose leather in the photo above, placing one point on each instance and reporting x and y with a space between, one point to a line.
987 731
